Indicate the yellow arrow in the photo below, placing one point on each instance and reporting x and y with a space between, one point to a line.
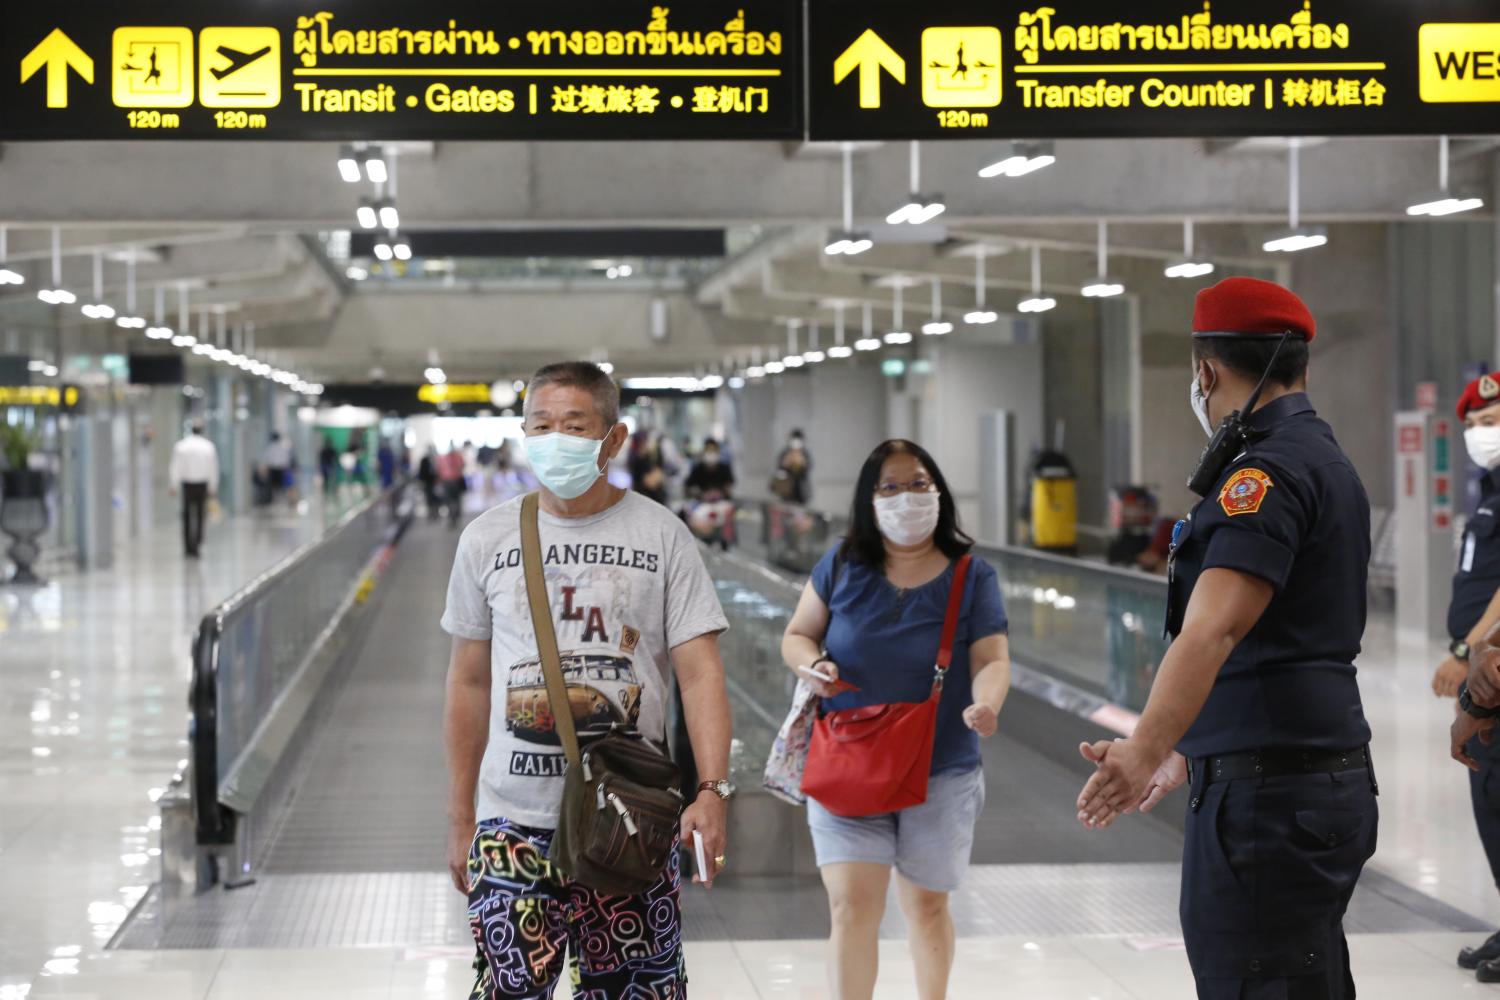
57 52
871 54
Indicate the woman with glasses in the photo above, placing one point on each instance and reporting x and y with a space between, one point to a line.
872 617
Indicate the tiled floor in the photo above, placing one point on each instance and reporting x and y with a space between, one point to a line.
92 683
93 694
1387 967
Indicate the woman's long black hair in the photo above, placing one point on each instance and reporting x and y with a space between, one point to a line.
864 543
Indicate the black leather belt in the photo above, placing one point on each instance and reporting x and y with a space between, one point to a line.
1276 763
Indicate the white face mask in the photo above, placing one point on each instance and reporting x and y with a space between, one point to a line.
1199 402
907 518
1483 444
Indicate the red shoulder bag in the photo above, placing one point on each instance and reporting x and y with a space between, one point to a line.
876 759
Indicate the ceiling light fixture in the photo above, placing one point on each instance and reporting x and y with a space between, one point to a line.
1037 302
847 241
1189 266
98 309
366 214
869 342
898 333
57 295
383 249
129 320
1103 286
374 164
389 217
1020 159
349 165
1443 202
937 326
401 247
1296 236
979 315
813 355
919 208
7 276
839 348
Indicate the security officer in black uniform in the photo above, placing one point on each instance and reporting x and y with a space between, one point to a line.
1266 607
1473 612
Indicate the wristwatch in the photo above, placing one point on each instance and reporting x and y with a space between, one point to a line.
1459 650
1466 703
721 788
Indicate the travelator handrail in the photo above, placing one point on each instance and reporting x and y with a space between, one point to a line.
214 821
1088 624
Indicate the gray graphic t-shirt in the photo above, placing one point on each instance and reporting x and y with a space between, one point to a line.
626 585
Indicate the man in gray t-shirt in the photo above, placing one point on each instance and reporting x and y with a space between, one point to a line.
631 603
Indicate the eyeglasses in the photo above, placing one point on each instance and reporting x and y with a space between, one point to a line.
919 485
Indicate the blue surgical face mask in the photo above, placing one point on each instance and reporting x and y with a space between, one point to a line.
567 465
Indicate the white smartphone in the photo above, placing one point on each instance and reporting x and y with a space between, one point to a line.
702 861
810 672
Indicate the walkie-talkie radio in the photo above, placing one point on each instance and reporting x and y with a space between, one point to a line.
1234 433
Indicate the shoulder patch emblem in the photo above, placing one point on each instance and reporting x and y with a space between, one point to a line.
1244 492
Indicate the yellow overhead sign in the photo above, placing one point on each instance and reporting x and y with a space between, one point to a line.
39 395
58 53
153 67
869 54
961 67
454 394
1460 63
239 67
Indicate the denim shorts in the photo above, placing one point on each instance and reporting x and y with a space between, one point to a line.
928 844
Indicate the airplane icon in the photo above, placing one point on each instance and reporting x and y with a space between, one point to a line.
237 60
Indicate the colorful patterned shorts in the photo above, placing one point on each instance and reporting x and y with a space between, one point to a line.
526 918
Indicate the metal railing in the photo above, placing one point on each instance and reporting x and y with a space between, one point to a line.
1096 626
260 659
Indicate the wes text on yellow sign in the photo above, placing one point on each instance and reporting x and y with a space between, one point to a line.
1460 63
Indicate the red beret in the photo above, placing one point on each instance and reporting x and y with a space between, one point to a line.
1483 392
1251 306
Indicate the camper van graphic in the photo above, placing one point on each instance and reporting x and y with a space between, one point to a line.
603 690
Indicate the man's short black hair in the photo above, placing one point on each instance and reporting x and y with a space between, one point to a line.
583 375
1248 357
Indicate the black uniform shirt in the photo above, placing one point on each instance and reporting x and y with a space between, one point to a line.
1292 511
1478 575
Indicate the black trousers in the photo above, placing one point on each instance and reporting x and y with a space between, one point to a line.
194 511
1268 868
1484 793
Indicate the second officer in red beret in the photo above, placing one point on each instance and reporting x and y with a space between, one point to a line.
1473 615
1257 693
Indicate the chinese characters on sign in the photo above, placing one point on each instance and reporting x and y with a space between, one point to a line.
1154 68
734 69
454 69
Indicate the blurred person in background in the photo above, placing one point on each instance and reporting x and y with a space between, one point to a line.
450 472
385 461
276 460
712 477
648 477
792 480
194 470
428 477
328 466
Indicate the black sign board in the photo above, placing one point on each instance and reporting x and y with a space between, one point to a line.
381 69
881 69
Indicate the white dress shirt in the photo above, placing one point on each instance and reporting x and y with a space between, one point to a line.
194 460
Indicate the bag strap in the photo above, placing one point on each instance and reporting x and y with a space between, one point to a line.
950 621
541 623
